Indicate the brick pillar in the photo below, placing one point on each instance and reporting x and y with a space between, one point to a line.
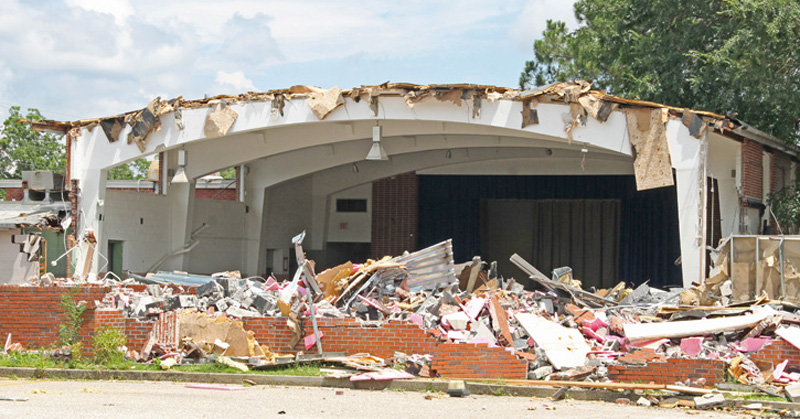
395 215
72 238
752 172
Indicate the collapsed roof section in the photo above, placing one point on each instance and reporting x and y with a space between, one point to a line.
645 120
595 103
38 215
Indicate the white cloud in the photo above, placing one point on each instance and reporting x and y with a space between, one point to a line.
120 9
83 58
237 80
532 21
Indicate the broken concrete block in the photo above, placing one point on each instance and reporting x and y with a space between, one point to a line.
644 402
792 393
221 305
540 373
709 400
154 290
263 304
208 288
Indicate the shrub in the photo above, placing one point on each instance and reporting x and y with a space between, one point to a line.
109 345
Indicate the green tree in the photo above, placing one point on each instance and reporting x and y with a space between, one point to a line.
23 148
136 169
738 57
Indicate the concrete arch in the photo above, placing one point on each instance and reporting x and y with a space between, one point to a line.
279 148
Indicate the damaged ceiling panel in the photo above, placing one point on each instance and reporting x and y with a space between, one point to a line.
648 135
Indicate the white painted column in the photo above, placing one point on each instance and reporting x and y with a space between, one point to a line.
181 211
687 155
180 196
91 201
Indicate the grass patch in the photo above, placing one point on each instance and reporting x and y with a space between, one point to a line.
764 397
39 359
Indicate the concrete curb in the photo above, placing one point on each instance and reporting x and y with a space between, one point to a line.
418 384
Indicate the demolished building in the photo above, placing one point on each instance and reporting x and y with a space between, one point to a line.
616 188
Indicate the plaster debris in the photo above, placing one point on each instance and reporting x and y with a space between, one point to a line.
648 136
219 120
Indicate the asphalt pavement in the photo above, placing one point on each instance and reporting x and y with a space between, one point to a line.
123 399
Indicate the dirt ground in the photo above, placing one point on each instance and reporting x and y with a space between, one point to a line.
114 399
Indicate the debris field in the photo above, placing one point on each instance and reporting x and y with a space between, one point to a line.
569 336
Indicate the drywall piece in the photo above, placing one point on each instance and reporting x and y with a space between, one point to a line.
692 346
685 328
753 344
482 333
219 120
457 321
204 330
597 108
112 127
564 348
530 116
143 123
790 334
323 102
694 122
648 135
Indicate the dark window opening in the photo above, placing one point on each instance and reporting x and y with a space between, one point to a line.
351 205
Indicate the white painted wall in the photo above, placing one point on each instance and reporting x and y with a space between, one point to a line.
141 222
8 255
723 165
351 227
287 212
222 244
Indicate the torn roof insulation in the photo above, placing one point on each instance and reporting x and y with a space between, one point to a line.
560 92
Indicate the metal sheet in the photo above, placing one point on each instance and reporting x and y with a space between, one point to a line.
429 268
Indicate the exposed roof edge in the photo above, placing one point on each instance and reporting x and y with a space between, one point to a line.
560 92
754 134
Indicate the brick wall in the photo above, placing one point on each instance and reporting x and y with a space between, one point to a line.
140 190
752 170
33 314
394 215
14 194
228 194
670 372
350 336
776 352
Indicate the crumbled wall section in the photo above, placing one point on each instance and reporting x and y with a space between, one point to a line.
350 336
33 314
776 352
752 170
670 372
395 221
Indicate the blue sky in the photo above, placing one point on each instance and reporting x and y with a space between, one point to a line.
75 59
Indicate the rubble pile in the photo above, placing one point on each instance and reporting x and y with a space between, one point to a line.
564 332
